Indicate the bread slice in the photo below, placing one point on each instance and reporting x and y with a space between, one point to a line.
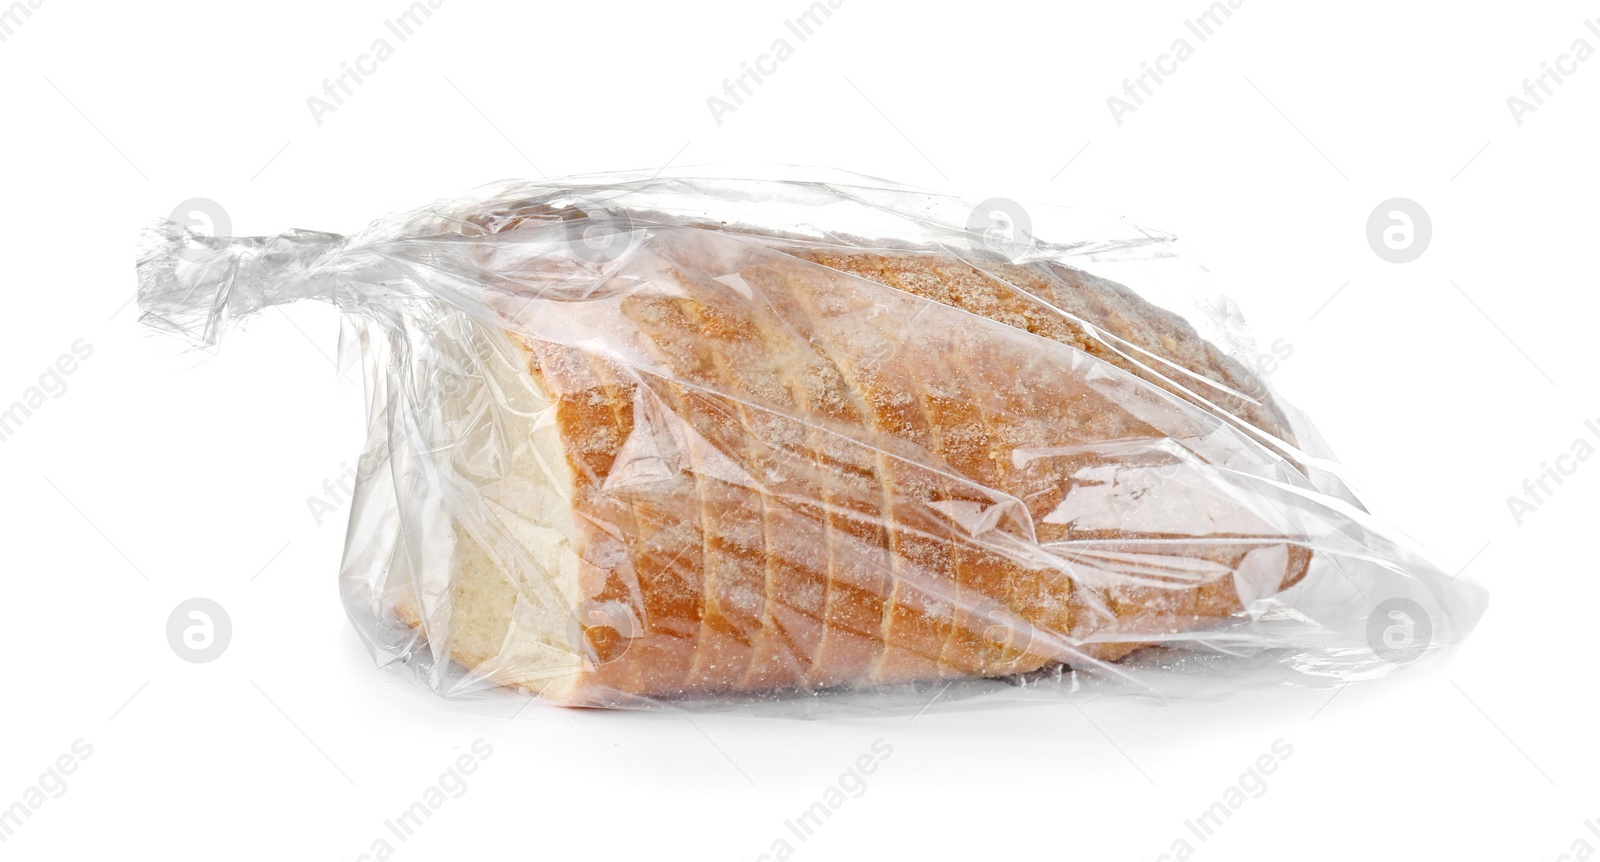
734 463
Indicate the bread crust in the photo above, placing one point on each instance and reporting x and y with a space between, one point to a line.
881 446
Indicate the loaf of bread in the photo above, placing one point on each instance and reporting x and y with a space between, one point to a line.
722 462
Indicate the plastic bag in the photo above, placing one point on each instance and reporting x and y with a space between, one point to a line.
640 440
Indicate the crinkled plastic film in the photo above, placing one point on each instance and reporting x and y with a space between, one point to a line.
796 446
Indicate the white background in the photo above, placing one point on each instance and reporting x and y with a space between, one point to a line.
159 475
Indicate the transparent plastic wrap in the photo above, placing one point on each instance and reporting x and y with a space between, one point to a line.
642 440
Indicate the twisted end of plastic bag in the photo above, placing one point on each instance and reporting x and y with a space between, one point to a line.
194 285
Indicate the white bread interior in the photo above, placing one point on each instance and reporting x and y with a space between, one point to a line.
514 579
